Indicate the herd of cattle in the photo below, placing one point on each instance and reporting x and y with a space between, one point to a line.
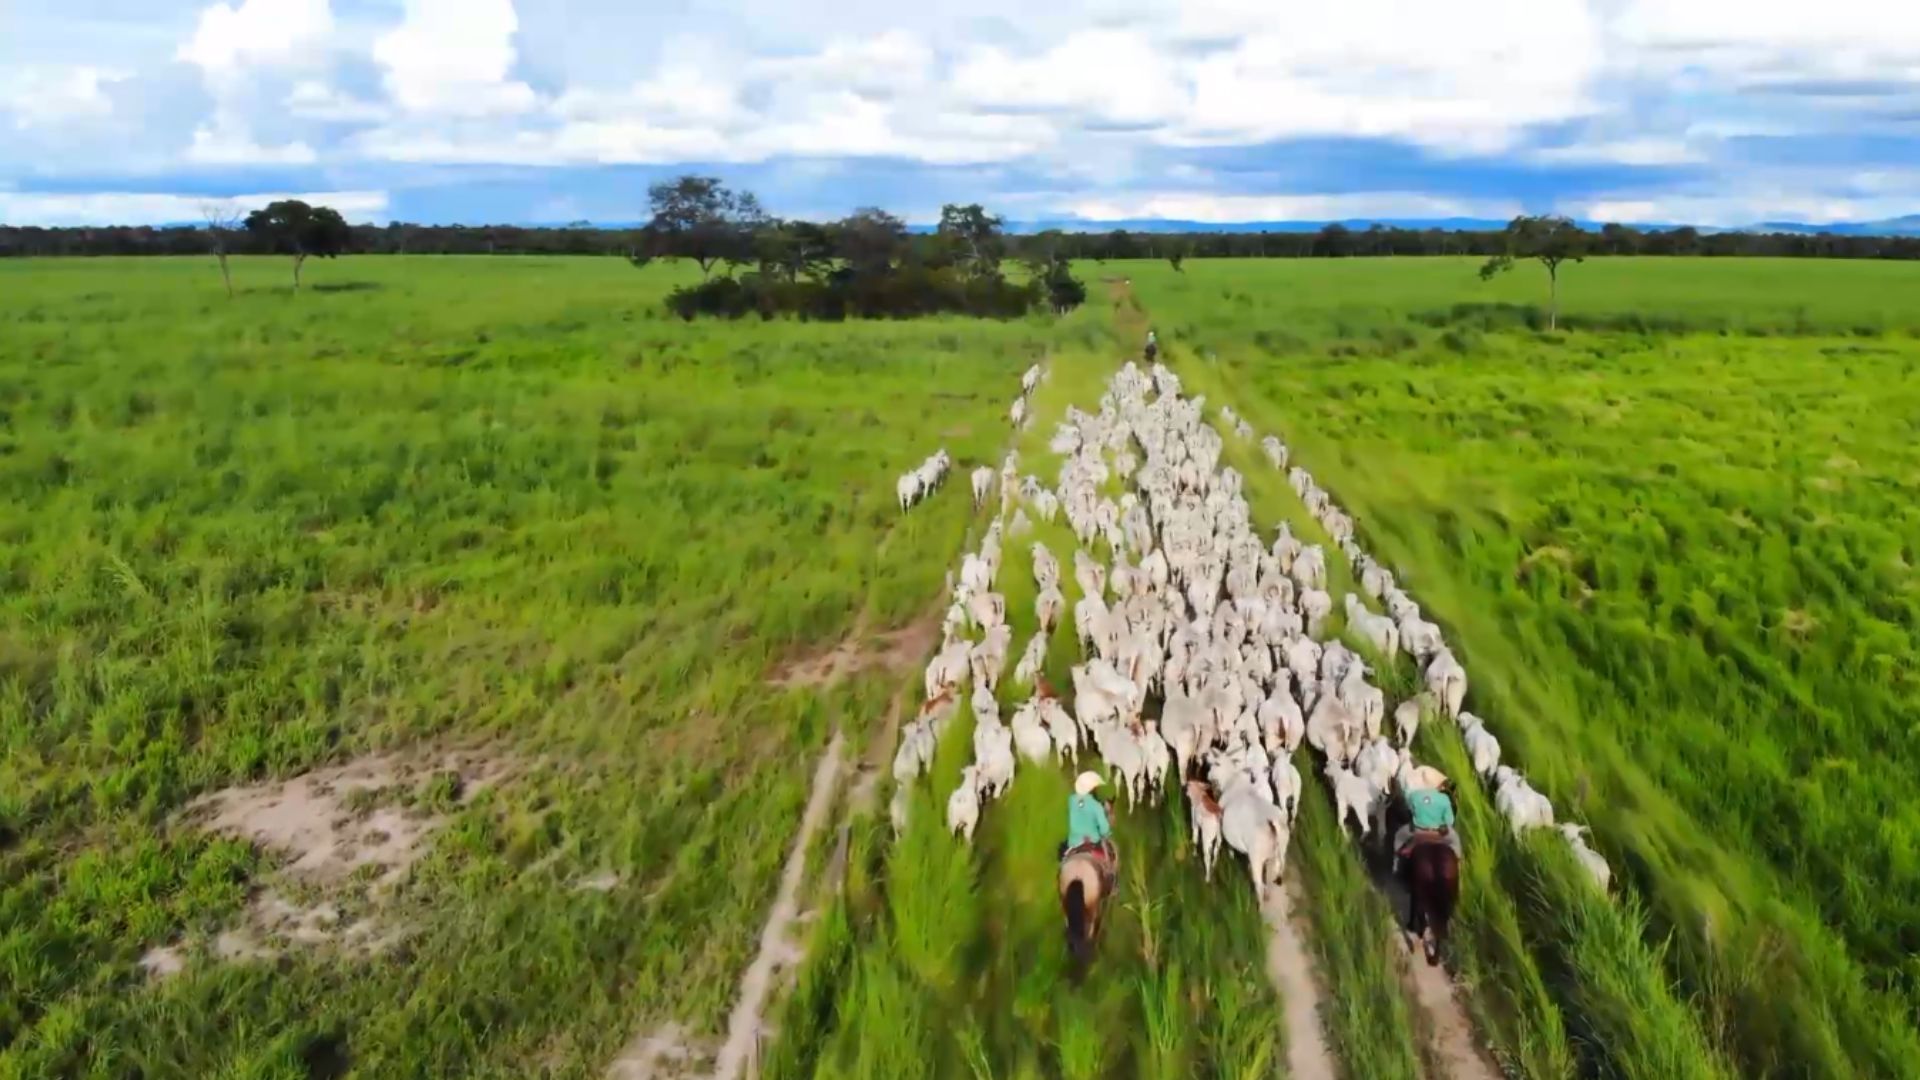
1193 609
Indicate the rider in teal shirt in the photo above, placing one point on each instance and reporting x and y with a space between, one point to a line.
1432 809
1086 818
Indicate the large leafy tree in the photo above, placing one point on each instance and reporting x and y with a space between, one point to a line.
793 250
291 227
700 218
974 238
1549 241
869 241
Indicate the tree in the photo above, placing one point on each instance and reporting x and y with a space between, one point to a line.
1120 245
1550 241
222 222
794 249
291 227
869 241
699 218
975 237
1617 239
1334 241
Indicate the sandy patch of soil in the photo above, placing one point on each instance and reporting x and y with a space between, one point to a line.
664 1052
896 651
313 818
347 834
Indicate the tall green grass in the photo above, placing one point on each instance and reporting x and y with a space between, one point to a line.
1678 568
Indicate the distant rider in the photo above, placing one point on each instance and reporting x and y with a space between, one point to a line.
1088 822
1153 347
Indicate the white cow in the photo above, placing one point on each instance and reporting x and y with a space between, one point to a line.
1206 824
947 668
982 485
1482 747
993 755
1352 795
1447 682
1420 638
963 806
1315 605
1378 631
1287 787
1030 733
1033 660
1595 865
1408 714
989 657
1252 825
1523 807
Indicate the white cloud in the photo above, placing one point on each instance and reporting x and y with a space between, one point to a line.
1114 76
1212 208
225 143
256 32
880 66
48 97
313 99
1726 44
1467 76
1646 150
139 208
1748 205
682 94
454 58
1083 98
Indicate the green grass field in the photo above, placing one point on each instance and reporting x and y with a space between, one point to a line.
494 502
505 505
1679 565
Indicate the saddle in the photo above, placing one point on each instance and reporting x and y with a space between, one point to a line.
1420 838
1103 852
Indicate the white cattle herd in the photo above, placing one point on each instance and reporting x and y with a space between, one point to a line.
1192 608
916 484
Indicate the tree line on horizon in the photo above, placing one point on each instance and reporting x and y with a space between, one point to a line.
1330 241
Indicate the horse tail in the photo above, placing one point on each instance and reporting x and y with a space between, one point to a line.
1079 935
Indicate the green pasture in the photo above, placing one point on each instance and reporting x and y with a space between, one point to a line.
506 504
1678 566
436 501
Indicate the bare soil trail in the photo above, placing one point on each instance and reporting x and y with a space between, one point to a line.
1446 1031
777 949
1291 969
650 1055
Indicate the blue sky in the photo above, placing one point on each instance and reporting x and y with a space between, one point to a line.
1715 112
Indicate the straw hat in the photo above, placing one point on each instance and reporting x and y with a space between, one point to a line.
1086 782
1426 777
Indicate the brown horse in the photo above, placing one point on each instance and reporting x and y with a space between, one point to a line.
1083 885
1433 887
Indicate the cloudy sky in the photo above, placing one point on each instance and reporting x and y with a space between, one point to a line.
1716 112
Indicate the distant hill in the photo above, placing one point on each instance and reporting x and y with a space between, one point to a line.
1900 226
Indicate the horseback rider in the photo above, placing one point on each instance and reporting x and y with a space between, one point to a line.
1153 346
1089 821
1430 804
